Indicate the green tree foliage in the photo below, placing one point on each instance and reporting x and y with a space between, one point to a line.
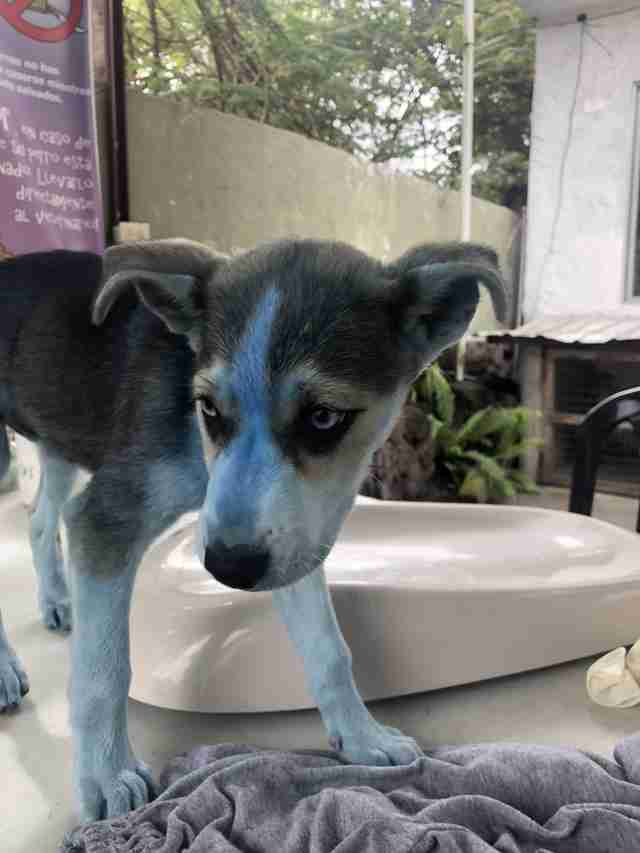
504 68
378 78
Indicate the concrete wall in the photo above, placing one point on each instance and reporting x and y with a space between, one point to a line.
233 183
580 169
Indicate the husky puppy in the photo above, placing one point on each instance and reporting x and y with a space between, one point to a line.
255 389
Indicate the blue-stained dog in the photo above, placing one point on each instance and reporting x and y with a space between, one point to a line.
255 388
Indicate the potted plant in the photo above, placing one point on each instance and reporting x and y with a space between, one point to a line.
434 455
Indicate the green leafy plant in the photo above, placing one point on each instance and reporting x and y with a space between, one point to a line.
478 456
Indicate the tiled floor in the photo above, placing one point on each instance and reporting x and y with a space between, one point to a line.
547 706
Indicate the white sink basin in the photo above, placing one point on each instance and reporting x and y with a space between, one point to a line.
427 595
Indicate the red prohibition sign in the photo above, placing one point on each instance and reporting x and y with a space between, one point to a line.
12 13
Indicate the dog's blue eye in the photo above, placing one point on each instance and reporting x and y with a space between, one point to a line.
323 418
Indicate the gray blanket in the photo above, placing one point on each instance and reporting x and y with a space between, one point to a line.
469 799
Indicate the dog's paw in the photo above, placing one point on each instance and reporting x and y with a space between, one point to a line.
107 797
14 683
376 745
56 614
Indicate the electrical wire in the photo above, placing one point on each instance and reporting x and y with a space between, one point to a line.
597 41
617 14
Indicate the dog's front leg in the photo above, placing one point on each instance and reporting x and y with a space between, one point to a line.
14 683
306 609
104 554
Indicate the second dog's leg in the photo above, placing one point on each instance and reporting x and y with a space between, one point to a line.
13 679
307 611
56 481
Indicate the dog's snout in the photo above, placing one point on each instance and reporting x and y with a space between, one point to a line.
240 567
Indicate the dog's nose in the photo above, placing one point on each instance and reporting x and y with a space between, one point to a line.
240 567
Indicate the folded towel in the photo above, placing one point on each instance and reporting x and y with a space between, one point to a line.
468 799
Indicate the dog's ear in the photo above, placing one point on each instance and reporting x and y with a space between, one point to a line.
435 294
168 275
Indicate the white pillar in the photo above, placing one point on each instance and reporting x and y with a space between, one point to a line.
467 146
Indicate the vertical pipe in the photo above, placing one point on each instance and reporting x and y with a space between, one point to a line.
467 118
119 162
467 146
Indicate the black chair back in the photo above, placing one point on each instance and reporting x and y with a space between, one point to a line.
592 432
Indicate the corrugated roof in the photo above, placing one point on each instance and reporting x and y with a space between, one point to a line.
599 327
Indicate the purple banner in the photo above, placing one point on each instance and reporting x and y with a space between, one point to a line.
49 180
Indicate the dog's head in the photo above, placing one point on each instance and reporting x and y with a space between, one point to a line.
305 351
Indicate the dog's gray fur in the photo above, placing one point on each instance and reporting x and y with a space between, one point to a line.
301 353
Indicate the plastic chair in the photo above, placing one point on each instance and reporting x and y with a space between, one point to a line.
592 431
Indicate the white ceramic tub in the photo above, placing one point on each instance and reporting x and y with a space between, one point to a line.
428 596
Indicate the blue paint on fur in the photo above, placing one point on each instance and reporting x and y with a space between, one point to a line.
13 679
106 773
307 611
109 779
248 379
248 466
167 478
56 482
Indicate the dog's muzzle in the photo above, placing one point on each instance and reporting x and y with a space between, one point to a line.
240 567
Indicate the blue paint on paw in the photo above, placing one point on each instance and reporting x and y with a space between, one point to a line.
108 792
14 683
372 744
56 613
